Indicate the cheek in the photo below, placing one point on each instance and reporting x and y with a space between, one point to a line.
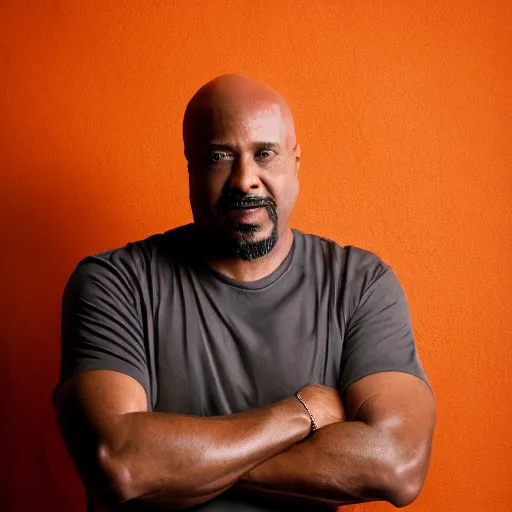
205 189
213 187
288 194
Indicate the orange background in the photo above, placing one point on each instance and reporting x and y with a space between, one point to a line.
404 115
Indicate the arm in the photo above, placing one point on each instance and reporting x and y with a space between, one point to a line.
123 452
381 453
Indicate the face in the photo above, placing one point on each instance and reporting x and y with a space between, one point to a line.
243 179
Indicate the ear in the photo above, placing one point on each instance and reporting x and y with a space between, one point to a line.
187 156
296 152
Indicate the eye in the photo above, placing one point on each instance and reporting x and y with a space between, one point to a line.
264 153
219 156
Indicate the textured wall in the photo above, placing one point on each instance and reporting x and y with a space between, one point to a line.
404 115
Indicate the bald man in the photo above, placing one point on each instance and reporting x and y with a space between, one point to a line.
236 364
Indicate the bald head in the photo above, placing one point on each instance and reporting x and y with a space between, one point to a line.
235 97
243 160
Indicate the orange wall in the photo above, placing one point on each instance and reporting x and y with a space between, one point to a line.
404 115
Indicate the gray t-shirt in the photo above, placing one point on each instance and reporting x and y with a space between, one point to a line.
203 344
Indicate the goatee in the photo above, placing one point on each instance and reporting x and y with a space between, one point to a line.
243 245
245 248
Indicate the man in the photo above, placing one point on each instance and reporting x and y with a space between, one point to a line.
235 363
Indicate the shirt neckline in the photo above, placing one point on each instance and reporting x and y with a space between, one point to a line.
259 284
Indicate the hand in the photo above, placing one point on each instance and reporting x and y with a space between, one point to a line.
324 404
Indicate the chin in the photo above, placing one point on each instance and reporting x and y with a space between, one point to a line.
250 232
246 241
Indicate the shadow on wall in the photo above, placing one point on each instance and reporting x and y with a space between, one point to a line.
47 221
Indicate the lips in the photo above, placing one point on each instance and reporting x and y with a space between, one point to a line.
247 208
246 214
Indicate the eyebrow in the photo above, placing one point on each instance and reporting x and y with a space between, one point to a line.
227 147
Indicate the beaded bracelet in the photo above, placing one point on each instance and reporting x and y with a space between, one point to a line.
313 423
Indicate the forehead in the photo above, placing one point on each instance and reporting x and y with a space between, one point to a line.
236 124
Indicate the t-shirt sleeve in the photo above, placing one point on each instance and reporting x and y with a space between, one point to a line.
101 328
379 335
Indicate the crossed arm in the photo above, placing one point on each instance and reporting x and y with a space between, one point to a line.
123 452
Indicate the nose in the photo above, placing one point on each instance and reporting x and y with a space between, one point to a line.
244 176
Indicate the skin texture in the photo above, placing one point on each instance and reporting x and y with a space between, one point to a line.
381 453
123 452
373 441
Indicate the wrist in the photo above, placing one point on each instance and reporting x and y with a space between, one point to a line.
296 415
313 423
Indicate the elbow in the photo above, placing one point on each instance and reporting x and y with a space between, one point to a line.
405 483
403 494
116 484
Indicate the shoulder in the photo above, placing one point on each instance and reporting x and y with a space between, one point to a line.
352 263
128 264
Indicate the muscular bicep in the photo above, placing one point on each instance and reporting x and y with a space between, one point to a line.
378 396
99 394
401 407
91 408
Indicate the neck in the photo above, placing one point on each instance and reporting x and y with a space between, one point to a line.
252 270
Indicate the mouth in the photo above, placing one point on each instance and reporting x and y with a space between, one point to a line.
246 214
247 208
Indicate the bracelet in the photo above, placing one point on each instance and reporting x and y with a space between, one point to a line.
313 423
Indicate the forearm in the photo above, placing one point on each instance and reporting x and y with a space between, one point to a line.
344 463
182 461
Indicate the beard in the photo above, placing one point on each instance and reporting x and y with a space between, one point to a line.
244 247
243 243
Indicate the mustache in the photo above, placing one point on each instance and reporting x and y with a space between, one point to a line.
232 200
